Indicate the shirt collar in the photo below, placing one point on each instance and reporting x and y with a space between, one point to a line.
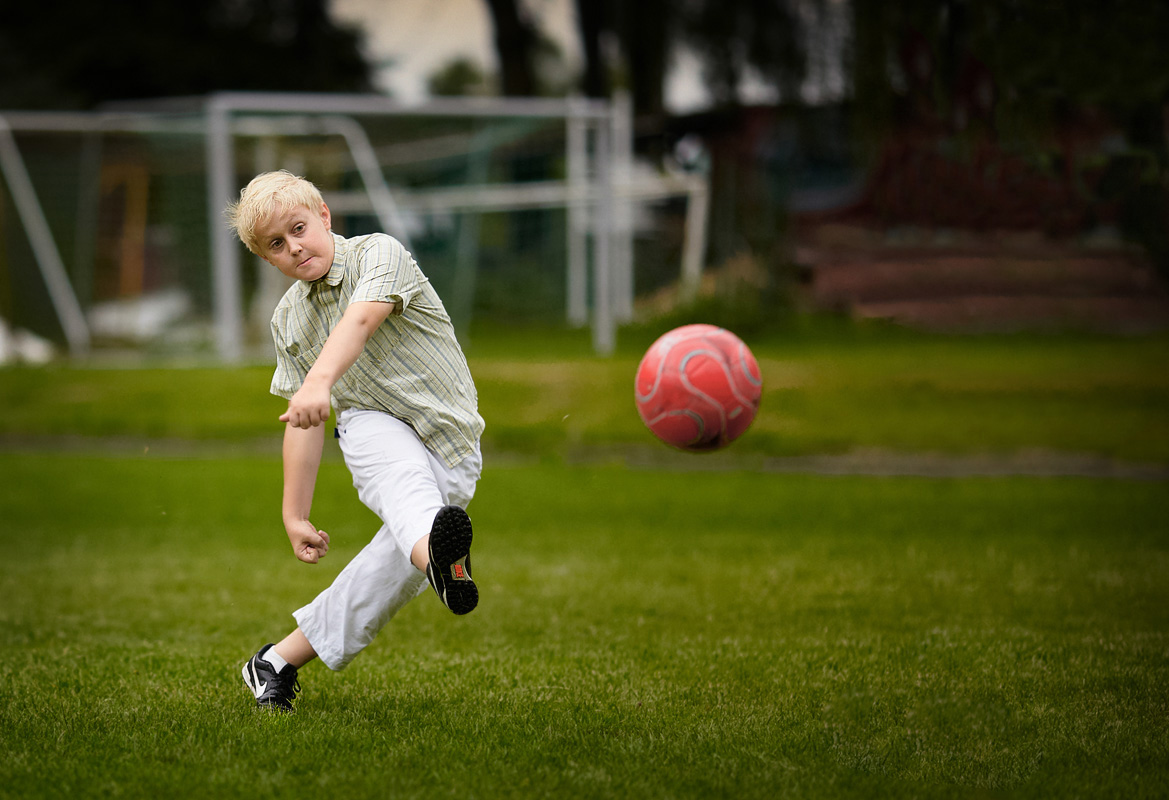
337 269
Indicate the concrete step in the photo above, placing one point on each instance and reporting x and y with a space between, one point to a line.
875 279
983 283
991 313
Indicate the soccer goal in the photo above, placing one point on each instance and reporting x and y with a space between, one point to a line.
516 208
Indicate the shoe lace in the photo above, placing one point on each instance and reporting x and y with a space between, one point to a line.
289 690
287 687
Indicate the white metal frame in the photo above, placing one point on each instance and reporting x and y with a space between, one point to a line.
597 194
44 247
583 117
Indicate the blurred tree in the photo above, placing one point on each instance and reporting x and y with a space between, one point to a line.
645 31
80 54
764 35
593 19
1035 76
1041 59
459 77
516 40
728 36
633 46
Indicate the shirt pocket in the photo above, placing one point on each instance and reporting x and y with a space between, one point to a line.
302 355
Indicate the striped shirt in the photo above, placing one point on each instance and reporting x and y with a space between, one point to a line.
412 366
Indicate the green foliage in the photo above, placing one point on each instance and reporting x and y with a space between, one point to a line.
460 76
86 53
750 296
731 39
641 633
997 75
924 46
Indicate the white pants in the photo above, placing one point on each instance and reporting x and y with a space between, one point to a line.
405 485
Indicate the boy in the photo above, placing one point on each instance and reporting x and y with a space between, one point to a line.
363 331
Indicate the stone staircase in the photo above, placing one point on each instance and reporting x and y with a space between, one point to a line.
988 282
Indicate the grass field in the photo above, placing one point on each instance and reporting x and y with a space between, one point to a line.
823 393
657 632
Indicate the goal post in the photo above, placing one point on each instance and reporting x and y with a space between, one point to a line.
44 246
587 188
509 203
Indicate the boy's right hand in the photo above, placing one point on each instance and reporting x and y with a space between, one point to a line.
309 544
309 407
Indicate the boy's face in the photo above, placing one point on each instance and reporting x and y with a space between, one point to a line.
298 243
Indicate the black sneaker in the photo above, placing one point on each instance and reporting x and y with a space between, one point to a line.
272 689
449 569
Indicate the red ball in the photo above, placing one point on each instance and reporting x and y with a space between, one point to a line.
698 387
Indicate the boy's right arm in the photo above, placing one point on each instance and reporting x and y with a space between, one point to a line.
302 460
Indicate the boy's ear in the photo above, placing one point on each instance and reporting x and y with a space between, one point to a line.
326 217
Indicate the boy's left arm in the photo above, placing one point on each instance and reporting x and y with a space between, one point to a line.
309 407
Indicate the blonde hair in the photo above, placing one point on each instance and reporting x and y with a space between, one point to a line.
269 194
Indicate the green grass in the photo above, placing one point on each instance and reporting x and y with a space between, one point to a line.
874 389
641 634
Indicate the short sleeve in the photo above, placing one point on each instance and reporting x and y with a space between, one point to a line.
387 273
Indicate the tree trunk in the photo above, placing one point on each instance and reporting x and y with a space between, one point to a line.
515 44
593 19
645 41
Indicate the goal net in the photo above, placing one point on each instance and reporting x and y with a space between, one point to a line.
112 233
